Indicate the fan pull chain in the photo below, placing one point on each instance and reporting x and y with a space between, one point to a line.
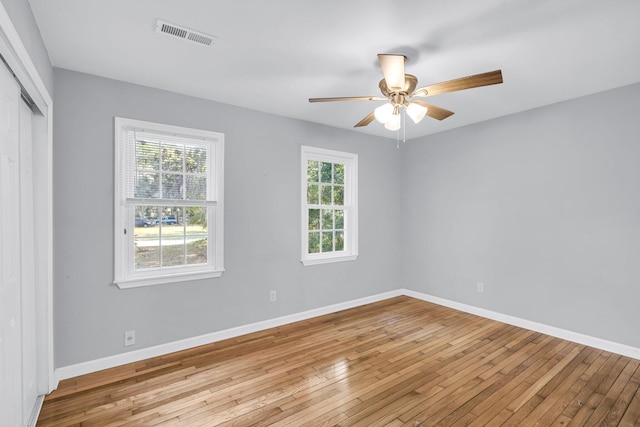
404 126
404 132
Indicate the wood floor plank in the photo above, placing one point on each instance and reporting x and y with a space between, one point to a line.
598 385
541 382
631 416
557 393
605 414
397 362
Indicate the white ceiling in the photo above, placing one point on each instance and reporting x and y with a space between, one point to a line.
272 55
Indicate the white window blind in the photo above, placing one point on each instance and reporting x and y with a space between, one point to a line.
168 167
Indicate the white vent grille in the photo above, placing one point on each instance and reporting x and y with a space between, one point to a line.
184 33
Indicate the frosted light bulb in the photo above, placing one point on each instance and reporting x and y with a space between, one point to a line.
416 112
393 123
383 113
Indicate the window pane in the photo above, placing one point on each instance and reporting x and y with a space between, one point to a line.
314 219
196 188
172 157
169 219
325 173
147 155
314 242
327 241
338 195
147 252
338 173
327 219
145 215
312 171
172 252
312 194
339 240
160 236
196 229
172 186
339 219
325 194
172 237
195 159
196 220
146 238
197 251
147 185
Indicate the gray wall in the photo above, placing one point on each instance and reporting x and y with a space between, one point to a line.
543 207
262 229
22 18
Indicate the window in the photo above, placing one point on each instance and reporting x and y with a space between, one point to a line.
169 216
329 206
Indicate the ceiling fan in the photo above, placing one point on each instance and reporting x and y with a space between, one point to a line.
400 90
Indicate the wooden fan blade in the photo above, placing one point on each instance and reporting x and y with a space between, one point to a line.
393 70
477 80
434 111
365 121
348 98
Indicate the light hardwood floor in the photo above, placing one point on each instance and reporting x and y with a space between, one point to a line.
399 362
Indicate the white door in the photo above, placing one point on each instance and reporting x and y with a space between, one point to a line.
27 278
10 254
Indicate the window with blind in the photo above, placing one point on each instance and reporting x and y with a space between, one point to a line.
169 217
329 206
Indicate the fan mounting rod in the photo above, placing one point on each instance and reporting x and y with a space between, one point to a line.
398 98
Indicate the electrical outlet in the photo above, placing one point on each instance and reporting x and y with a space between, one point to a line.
129 338
480 287
273 296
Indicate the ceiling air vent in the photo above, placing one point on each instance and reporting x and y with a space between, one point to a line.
184 33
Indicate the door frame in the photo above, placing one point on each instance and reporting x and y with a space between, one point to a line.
19 61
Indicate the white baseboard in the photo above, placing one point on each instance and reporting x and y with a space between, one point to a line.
159 350
590 341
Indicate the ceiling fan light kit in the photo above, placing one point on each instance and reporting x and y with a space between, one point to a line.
416 112
393 123
399 89
383 113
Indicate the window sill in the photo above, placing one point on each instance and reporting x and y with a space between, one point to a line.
327 260
166 278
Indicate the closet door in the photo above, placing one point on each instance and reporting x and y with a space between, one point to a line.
27 278
10 255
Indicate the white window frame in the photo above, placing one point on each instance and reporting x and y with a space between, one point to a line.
125 274
350 160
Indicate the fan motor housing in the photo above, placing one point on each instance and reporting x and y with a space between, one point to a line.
410 83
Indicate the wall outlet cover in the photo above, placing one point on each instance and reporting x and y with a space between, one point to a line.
129 338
